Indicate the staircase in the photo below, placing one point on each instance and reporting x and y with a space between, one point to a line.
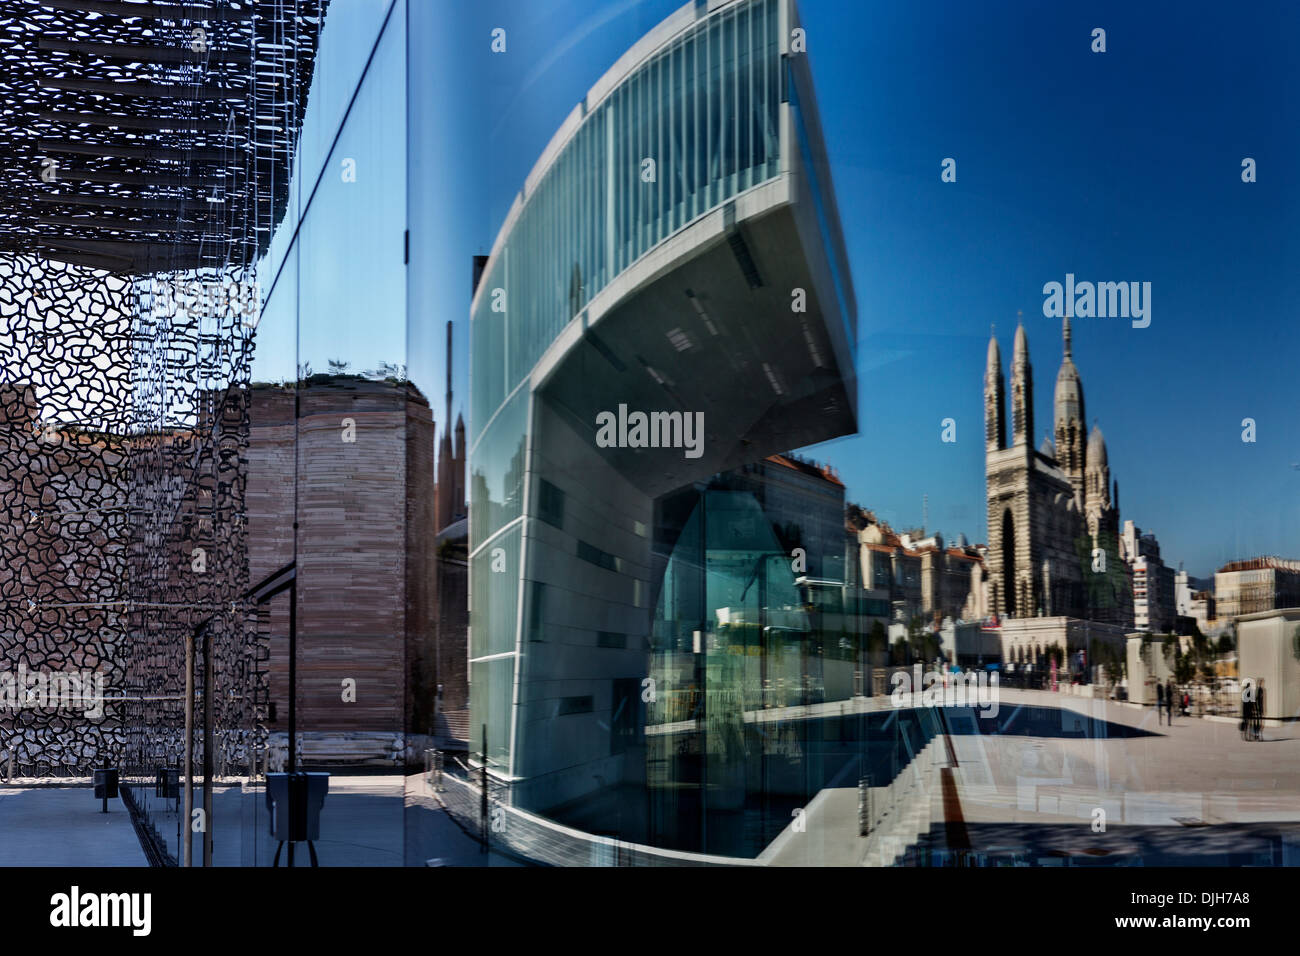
901 812
451 730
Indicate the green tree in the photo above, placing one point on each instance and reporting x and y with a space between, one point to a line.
899 653
1184 664
877 640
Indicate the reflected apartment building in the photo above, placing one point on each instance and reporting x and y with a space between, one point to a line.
632 598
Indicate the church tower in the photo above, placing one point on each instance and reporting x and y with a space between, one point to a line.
1100 508
1051 511
1069 420
1111 593
1022 391
995 431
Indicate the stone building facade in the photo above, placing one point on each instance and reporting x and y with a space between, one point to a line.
921 576
363 501
1256 585
1053 513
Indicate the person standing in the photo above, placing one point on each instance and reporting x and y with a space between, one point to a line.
1160 703
1171 692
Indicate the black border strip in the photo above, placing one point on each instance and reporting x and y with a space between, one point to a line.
154 851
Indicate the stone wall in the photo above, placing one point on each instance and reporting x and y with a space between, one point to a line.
364 554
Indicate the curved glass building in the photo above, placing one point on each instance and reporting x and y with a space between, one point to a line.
667 304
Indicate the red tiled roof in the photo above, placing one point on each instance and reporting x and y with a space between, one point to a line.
824 472
1260 564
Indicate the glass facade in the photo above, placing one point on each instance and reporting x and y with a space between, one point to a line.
683 133
489 490
622 642
330 407
680 135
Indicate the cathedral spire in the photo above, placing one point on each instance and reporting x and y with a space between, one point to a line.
995 434
1068 421
1022 391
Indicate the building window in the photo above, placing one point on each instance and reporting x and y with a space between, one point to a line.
536 612
576 705
625 716
602 559
550 504
611 639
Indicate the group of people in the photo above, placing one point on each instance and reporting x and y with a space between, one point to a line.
1252 712
1167 696
1252 706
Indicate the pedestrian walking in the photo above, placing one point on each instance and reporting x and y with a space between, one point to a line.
1160 703
1171 692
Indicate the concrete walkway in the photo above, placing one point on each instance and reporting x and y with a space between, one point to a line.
365 821
1030 780
361 824
62 826
1117 757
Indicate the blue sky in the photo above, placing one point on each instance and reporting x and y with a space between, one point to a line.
1117 166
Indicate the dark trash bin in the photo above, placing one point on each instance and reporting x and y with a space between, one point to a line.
106 785
167 783
294 801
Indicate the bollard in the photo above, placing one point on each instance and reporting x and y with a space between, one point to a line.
864 806
105 785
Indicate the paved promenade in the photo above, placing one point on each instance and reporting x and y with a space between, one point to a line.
62 826
1027 784
367 820
1118 757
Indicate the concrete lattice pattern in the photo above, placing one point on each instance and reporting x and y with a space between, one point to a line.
123 437
65 349
161 139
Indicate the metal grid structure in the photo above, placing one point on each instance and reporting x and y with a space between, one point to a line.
149 137
147 161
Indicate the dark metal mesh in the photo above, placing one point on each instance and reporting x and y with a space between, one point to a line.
128 307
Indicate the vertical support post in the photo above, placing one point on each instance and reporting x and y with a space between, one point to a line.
186 845
293 691
702 678
293 678
483 796
207 747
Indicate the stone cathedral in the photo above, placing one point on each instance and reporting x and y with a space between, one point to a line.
1053 513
